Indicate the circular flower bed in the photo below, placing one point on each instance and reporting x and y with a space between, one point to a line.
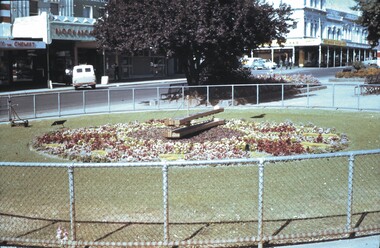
145 141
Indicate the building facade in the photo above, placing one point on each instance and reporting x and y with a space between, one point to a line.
323 34
44 38
40 39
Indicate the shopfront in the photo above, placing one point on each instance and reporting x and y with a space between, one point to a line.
146 64
72 43
22 61
316 53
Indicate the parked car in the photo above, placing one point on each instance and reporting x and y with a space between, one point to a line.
249 62
258 64
84 76
268 64
372 63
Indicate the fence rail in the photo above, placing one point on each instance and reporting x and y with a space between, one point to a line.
178 203
116 99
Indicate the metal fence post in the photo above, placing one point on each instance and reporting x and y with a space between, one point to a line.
183 94
59 104
165 201
351 165
84 101
233 95
158 97
34 106
282 95
133 99
72 202
358 102
9 107
208 95
308 95
333 96
109 100
260 223
257 94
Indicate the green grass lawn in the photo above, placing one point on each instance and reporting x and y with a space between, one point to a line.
362 128
107 199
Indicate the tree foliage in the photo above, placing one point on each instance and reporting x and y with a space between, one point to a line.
206 35
370 18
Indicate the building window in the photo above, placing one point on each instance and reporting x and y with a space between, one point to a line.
322 4
101 11
33 8
311 29
87 11
329 33
294 26
54 8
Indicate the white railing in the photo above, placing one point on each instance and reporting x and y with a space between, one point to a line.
117 99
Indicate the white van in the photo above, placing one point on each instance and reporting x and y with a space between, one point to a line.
84 76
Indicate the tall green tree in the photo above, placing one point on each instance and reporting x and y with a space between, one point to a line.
370 18
203 34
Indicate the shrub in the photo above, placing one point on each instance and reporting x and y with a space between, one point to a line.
358 65
362 73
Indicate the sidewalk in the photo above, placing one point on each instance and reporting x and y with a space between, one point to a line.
365 242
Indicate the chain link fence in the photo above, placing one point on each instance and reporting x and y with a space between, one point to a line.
269 200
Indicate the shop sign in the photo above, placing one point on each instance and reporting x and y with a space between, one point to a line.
298 42
334 43
71 32
21 44
98 1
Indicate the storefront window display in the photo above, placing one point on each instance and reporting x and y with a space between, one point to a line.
4 68
22 66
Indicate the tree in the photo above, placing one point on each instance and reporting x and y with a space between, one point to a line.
203 34
370 18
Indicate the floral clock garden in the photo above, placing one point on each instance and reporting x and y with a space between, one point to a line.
145 141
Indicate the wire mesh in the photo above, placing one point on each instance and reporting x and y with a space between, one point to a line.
34 202
118 204
305 196
212 202
310 196
366 196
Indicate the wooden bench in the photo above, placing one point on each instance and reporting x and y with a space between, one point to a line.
187 128
175 91
347 69
181 132
371 85
187 120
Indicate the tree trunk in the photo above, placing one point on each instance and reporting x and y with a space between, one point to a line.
191 71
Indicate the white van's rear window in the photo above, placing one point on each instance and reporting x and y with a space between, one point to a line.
87 69
79 70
